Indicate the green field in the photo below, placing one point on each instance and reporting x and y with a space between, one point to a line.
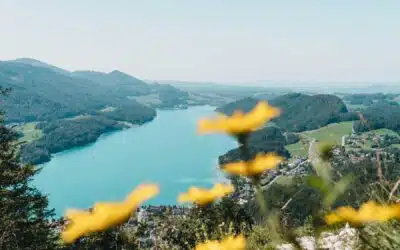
332 133
297 149
355 106
30 132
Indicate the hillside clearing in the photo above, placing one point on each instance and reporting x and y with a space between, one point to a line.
297 149
331 133
30 132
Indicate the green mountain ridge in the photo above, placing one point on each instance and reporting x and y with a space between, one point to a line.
37 63
43 92
114 77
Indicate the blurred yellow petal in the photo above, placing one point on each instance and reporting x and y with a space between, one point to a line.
72 233
236 168
240 122
230 243
105 214
142 193
75 214
342 214
257 166
368 212
204 196
264 162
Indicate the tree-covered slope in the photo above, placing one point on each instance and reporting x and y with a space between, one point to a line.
61 135
299 112
123 85
304 112
380 115
40 94
44 92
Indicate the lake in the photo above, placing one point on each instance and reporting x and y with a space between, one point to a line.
167 151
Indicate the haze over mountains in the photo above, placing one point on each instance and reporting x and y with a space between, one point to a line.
326 87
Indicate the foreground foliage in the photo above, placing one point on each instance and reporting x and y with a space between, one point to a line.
24 217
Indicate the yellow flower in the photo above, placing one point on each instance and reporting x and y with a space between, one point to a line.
239 122
204 196
261 163
368 212
106 214
230 243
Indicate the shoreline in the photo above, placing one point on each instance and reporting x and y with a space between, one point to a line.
126 125
107 133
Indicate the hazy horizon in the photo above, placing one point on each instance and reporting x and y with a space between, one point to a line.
209 41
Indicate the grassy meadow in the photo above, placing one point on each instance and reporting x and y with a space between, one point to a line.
30 131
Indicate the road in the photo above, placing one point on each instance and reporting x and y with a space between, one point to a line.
312 148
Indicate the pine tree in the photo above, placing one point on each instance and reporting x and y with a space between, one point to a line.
24 216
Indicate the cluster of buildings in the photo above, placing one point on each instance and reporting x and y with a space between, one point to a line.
370 140
295 167
151 217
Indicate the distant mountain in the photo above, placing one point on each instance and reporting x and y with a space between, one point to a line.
37 63
294 86
299 112
41 91
113 78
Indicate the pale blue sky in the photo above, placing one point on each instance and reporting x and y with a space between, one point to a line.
210 40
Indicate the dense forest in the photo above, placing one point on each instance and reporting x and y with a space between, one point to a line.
303 112
368 99
128 114
300 112
380 115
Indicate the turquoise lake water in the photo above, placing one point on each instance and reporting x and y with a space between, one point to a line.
166 151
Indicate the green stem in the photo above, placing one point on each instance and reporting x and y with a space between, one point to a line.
260 198
272 220
244 148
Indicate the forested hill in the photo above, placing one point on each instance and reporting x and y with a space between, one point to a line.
299 112
380 115
44 92
74 108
